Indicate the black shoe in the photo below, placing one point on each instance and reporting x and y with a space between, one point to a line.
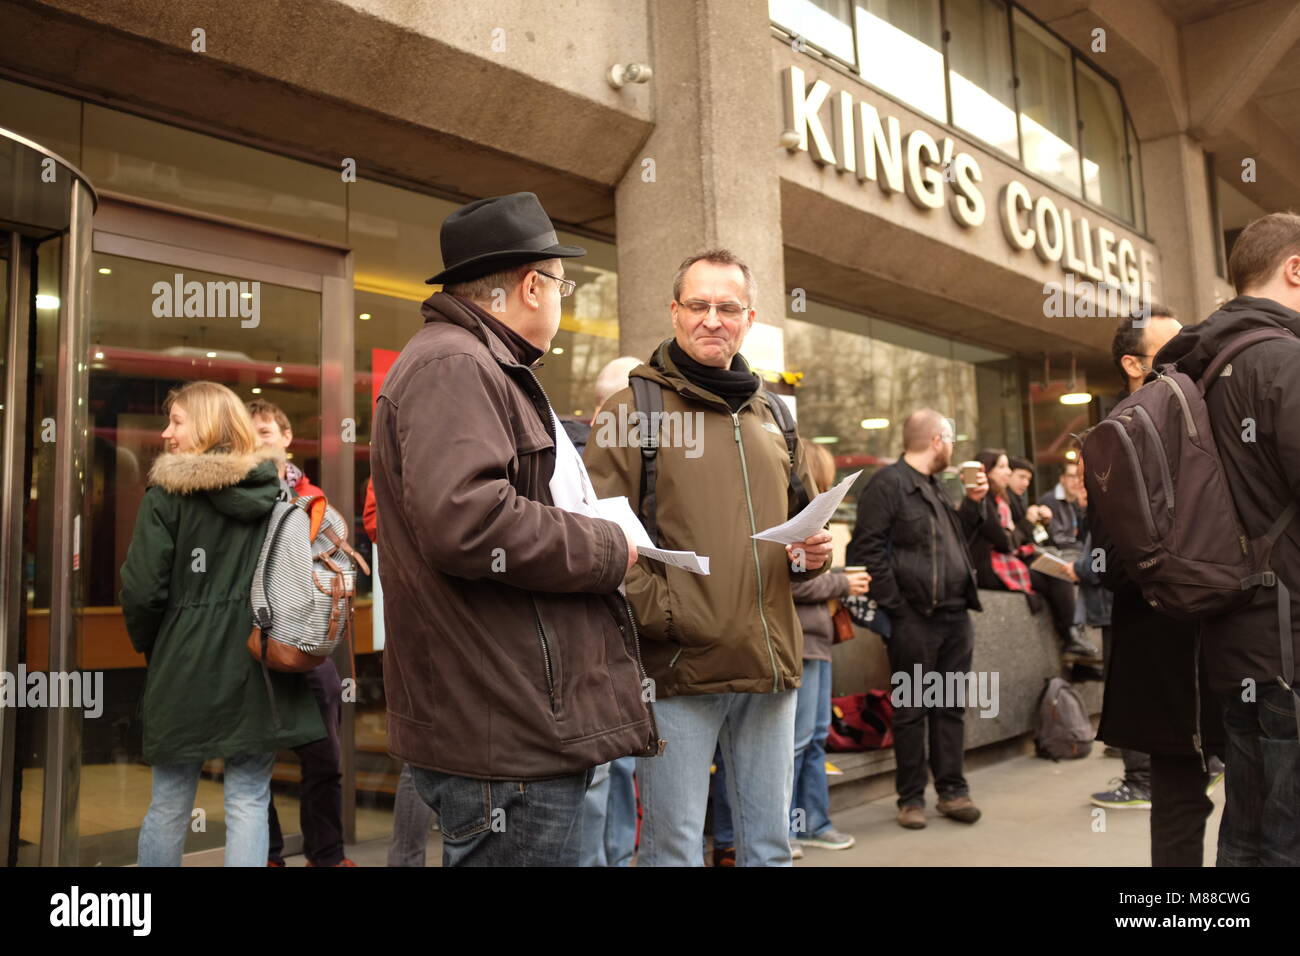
1080 672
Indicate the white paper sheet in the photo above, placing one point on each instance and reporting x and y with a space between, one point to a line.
813 518
619 510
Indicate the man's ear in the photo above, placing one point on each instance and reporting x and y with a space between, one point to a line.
1132 367
529 289
1291 270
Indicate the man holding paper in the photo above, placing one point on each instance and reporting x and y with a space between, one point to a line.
724 649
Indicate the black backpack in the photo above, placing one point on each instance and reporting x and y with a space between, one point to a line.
650 400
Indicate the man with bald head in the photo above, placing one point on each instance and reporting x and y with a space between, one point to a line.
913 544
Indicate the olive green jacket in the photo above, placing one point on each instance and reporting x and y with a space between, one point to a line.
733 630
185 598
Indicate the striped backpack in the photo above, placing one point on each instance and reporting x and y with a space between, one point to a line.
303 586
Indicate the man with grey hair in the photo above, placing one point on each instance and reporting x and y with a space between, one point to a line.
724 651
913 543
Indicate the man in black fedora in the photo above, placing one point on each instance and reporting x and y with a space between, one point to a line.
510 667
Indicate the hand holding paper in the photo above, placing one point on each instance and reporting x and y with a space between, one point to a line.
813 518
619 511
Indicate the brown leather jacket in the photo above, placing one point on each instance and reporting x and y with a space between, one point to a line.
510 653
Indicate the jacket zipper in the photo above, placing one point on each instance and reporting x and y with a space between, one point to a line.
1196 689
753 544
546 654
934 563
655 746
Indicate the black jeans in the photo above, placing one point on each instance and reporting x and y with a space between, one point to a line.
1059 595
1137 765
506 822
321 791
942 643
1179 809
1261 812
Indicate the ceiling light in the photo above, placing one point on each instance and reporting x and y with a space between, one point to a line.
557 351
105 271
364 316
257 391
875 423
279 369
825 440
47 302
212 355
1076 398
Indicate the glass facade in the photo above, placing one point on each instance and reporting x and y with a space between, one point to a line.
135 358
993 72
864 376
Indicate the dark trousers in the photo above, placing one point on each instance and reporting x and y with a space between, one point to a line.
1261 812
321 790
1179 809
1059 595
942 643
1137 765
506 822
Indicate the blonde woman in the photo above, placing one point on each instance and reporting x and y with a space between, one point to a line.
185 598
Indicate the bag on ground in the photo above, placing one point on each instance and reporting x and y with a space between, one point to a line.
1064 731
861 722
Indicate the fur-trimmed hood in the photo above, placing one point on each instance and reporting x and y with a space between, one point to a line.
241 486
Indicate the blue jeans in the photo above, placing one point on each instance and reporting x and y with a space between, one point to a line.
609 815
506 822
755 734
810 805
411 820
1261 811
247 790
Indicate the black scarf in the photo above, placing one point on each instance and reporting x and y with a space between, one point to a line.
733 385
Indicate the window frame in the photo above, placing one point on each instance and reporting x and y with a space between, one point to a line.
1136 223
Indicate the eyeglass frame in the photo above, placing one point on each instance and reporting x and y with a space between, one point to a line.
567 286
713 306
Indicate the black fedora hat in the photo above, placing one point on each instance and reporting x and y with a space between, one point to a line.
490 234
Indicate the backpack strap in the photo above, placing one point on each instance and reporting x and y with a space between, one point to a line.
650 405
1267 578
781 412
1233 348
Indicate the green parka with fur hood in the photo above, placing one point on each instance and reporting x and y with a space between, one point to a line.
185 597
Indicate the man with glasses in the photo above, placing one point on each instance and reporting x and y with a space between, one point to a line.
724 651
510 672
912 542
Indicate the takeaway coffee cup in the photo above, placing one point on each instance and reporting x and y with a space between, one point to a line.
970 473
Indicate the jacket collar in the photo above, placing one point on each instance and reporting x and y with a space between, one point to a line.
441 307
1193 348
184 473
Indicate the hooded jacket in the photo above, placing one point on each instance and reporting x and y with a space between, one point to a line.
185 599
734 630
1254 410
510 654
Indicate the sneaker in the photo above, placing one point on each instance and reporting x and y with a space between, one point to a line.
1215 776
796 851
1082 650
276 863
832 770
960 809
724 856
828 839
913 818
343 862
1123 797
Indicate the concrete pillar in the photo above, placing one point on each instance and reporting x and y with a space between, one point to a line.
1178 214
712 156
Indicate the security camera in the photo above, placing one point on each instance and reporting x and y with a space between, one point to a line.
622 74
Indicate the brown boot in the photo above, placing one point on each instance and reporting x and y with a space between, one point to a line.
960 809
913 818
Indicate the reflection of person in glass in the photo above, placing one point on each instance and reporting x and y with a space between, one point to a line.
321 791
185 601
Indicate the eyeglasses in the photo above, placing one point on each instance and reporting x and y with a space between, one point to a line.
566 285
726 310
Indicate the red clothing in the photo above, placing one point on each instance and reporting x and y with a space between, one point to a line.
305 487
1011 571
370 514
